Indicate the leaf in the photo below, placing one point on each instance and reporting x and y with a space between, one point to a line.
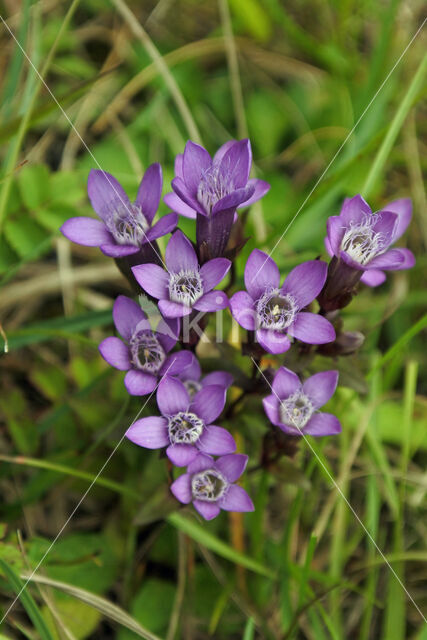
27 601
79 618
208 540
152 606
107 608
33 182
24 234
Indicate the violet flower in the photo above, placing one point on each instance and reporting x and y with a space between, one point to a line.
191 376
362 239
124 227
186 285
208 484
144 354
204 185
293 407
274 311
185 426
212 189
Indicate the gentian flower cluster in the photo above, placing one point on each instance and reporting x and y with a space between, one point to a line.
288 318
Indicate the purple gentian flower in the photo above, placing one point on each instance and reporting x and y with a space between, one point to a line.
191 376
275 311
293 407
208 484
124 226
185 425
207 186
144 354
362 239
186 285
212 190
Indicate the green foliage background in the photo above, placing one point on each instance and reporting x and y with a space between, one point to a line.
333 103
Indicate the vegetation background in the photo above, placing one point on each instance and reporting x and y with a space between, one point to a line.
330 93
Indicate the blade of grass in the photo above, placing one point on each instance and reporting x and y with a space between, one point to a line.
395 126
249 632
15 66
203 537
27 601
107 608
13 156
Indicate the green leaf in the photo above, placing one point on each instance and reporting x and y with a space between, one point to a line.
208 540
152 606
107 608
24 234
33 182
79 618
27 601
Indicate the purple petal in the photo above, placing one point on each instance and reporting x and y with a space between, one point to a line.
271 408
354 210
328 247
273 341
182 192
233 199
335 231
178 165
393 260
167 332
165 225
321 387
118 250
180 254
236 163
139 383
174 202
170 309
209 402
151 433
181 455
127 315
200 463
195 162
209 510
153 279
243 310
285 383
385 224
236 499
220 378
149 191
222 151
86 231
181 488
373 277
261 188
261 273
232 466
212 301
192 371
116 353
403 208
312 328
172 396
306 281
106 194
213 272
322 424
175 363
216 441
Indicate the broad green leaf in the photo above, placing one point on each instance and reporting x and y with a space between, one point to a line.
79 618
24 235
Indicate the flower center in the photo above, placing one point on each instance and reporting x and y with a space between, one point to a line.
185 287
192 387
127 224
146 351
208 485
276 310
361 242
214 185
296 410
185 428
